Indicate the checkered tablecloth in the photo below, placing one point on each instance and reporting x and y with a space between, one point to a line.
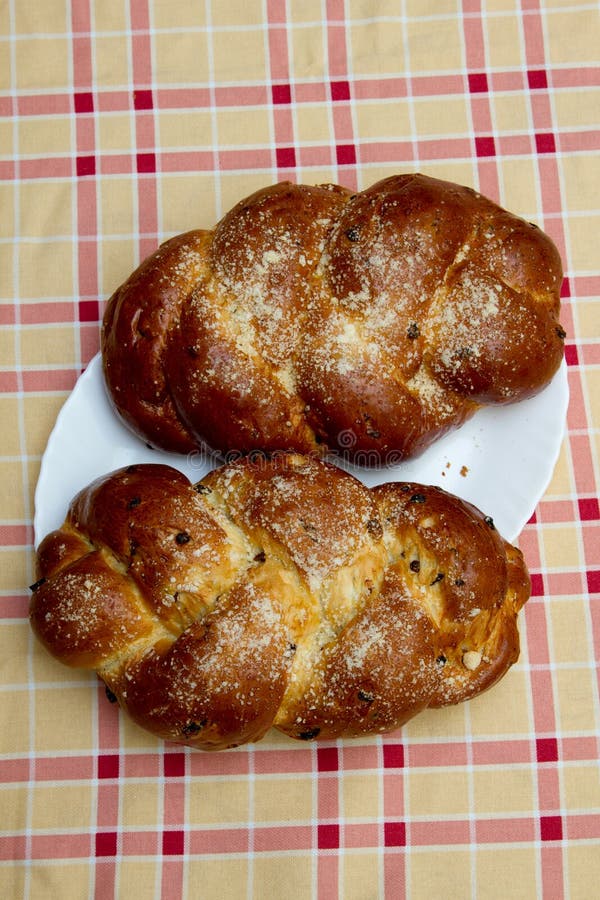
122 123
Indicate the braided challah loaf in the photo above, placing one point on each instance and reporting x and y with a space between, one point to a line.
314 319
280 593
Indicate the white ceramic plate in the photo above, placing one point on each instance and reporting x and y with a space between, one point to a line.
501 460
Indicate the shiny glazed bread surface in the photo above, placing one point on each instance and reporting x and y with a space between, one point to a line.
311 319
277 592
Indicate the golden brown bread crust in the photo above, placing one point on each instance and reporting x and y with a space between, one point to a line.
314 319
277 592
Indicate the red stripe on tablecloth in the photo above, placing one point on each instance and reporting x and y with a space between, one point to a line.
443 149
172 844
8 314
505 830
294 761
292 837
15 770
16 535
188 161
487 148
43 104
495 753
506 81
46 167
582 827
366 88
235 840
396 826
440 832
579 141
14 607
393 795
537 640
548 789
85 137
141 765
113 101
346 149
232 160
363 834
476 62
581 453
550 829
241 95
49 380
219 764
590 533
514 144
174 839
562 584
556 510
9 382
281 92
145 134
544 718
186 98
60 846
442 754
87 274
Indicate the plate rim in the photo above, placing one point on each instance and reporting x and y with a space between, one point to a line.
93 369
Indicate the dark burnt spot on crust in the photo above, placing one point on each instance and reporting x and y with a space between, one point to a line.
418 498
112 698
439 577
365 696
135 501
33 587
414 565
490 522
182 537
202 488
260 557
412 332
192 728
561 332
353 233
309 735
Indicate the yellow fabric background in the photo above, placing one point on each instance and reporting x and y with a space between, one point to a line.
47 710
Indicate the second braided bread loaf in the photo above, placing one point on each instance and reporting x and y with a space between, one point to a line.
277 592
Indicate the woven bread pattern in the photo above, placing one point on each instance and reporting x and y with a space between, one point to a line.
279 593
313 319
